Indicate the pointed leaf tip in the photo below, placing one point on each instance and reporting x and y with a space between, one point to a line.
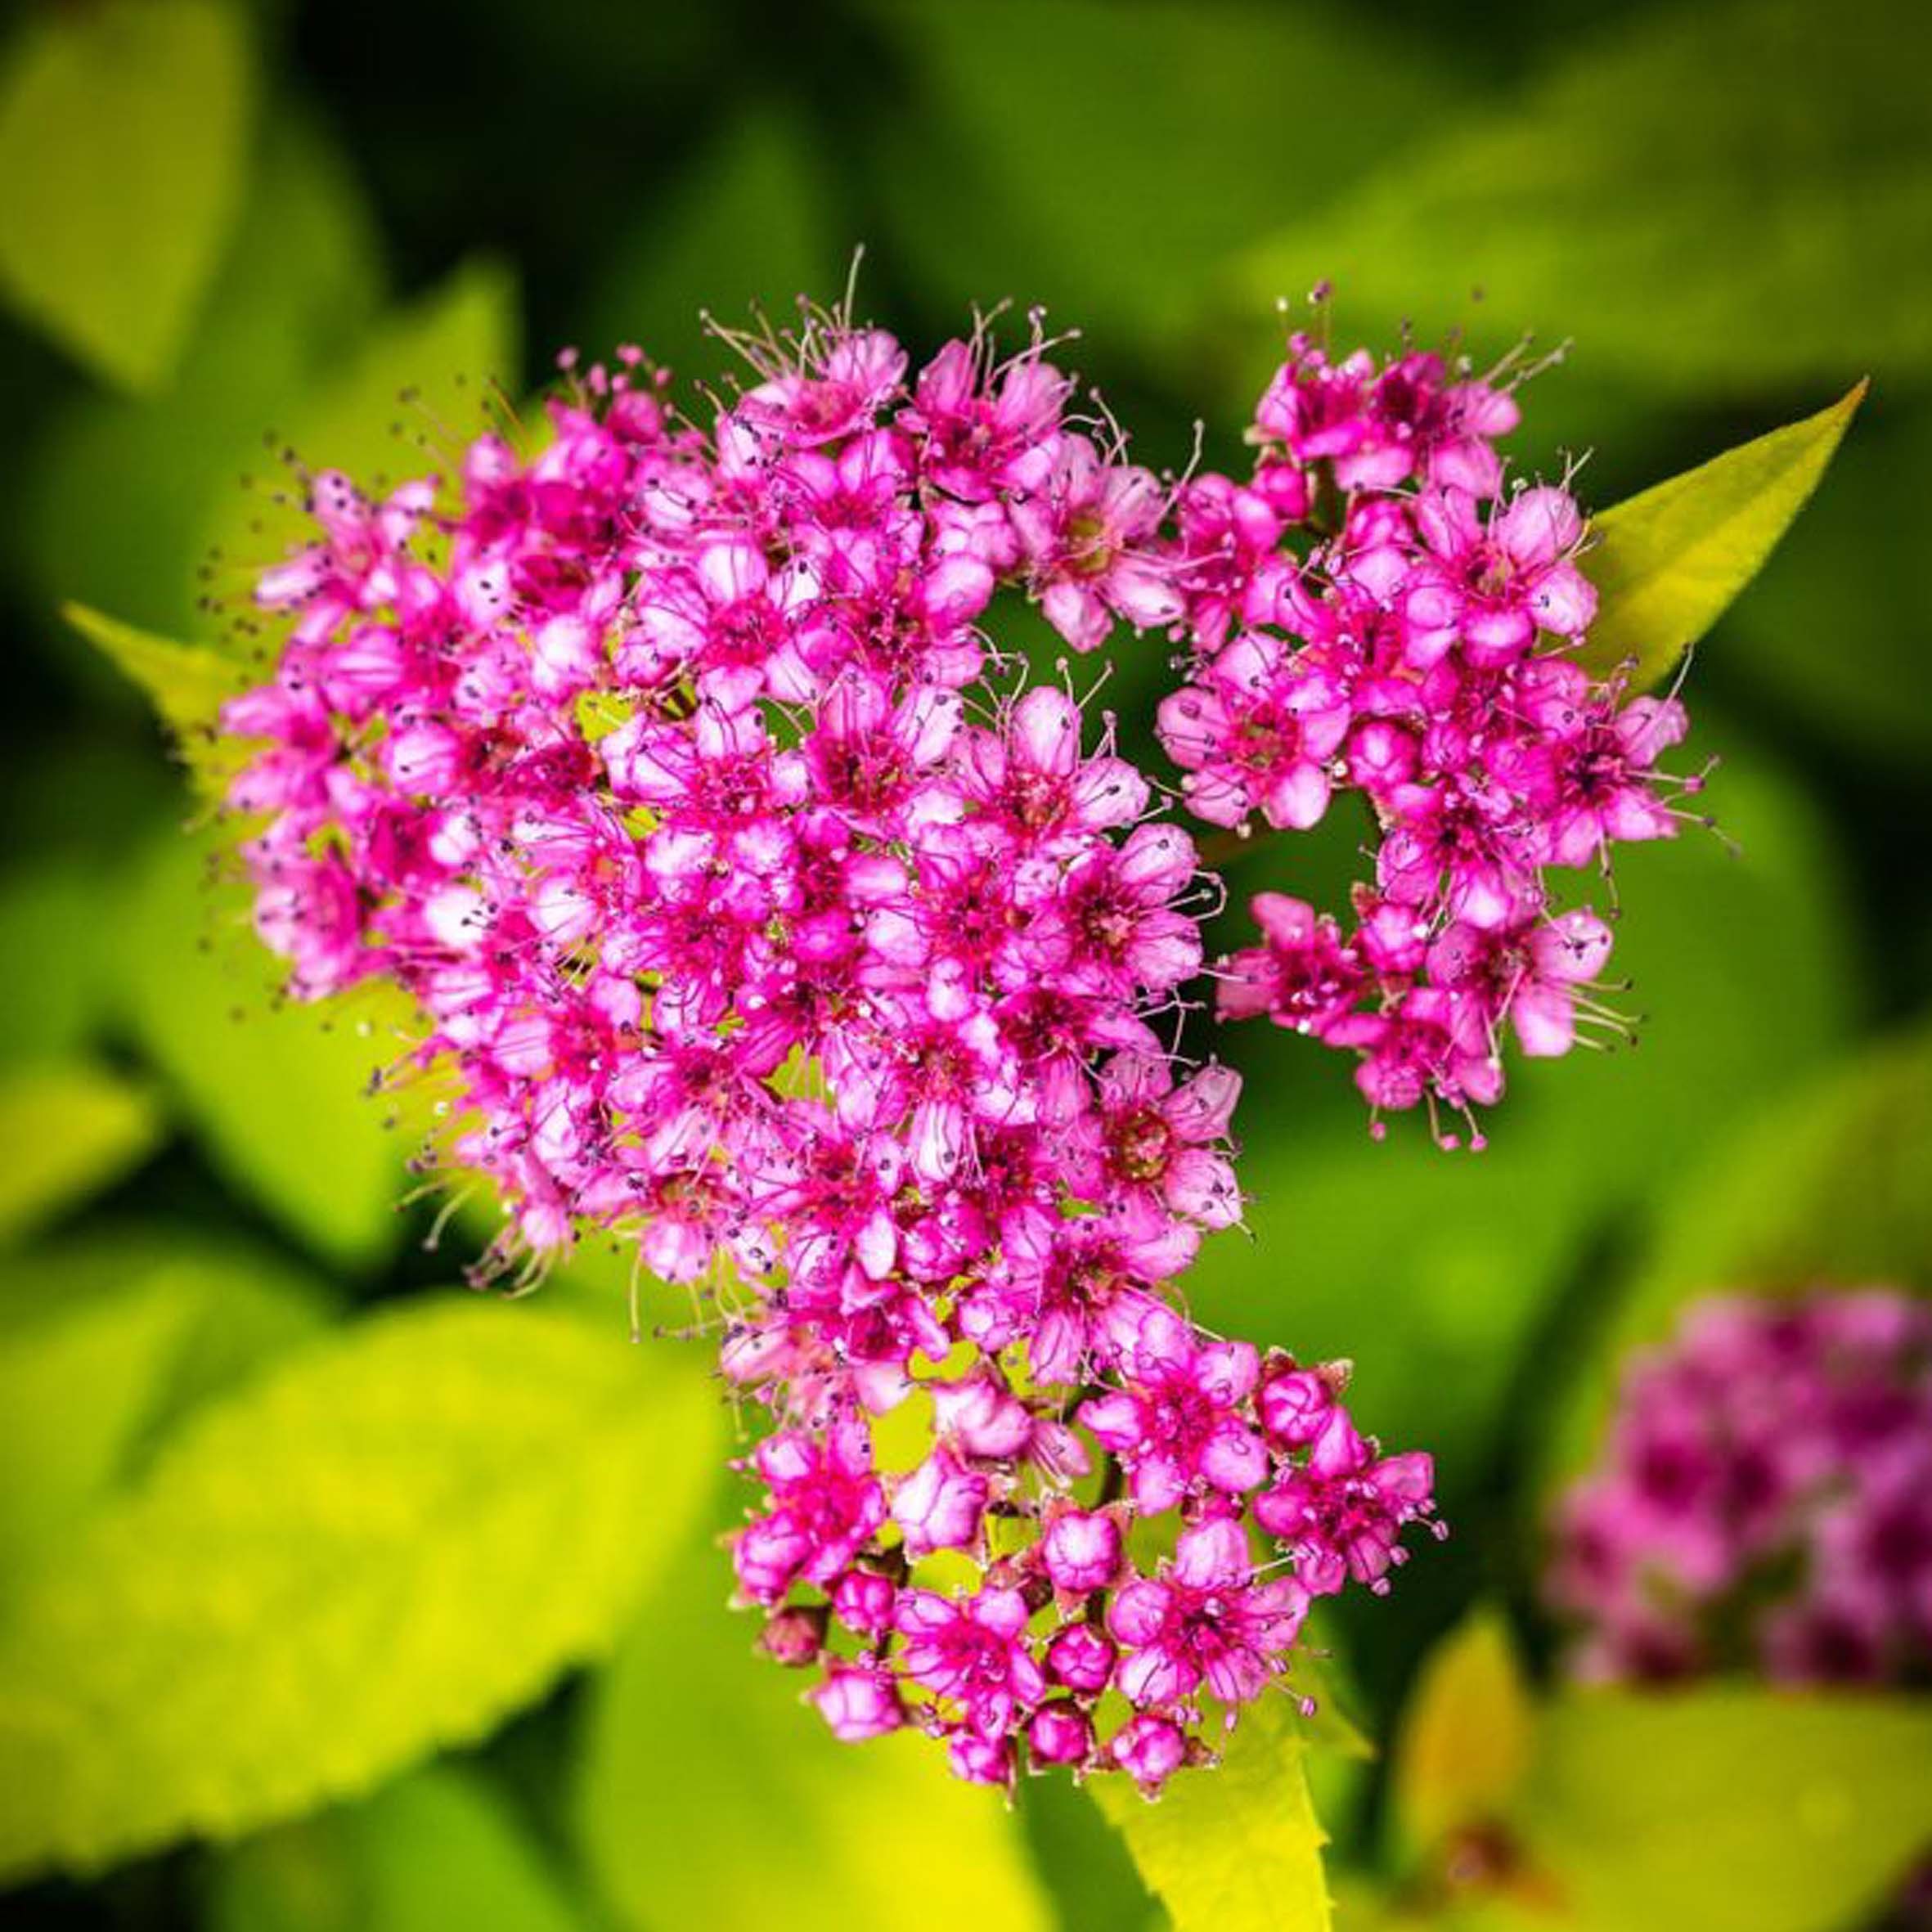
1669 561
187 684
1237 1849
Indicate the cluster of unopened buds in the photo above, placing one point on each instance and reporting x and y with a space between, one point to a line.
759 912
1765 1500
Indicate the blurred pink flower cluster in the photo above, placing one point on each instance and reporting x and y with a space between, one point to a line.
1765 1502
759 911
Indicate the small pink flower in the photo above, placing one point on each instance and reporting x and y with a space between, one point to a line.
1083 531
859 1700
1081 1658
1493 586
1081 1551
971 1653
1205 1619
939 1506
1059 1732
1179 1425
1150 1750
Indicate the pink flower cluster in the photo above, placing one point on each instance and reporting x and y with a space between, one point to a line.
1765 1502
760 913
1372 611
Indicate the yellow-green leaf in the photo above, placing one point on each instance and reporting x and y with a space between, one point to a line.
385 1545
188 684
277 1092
66 1132
123 128
1668 562
1469 1734
103 1343
1719 201
1729 1808
710 1795
117 499
435 1850
75 1390
1237 1849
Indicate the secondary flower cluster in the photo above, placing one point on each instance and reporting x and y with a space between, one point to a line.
1074 1637
1365 614
1765 1502
758 911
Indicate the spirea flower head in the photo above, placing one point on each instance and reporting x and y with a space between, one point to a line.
1765 1500
1375 612
761 913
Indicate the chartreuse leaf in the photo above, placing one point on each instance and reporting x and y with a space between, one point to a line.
387 1545
76 1390
120 494
106 1343
187 683
1668 563
1777 229
415 388
1469 1735
709 1795
277 1093
66 1130
1729 1808
123 131
436 1849
1238 1848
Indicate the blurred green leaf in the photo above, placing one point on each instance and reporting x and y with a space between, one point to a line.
123 492
187 683
711 1795
761 176
277 1092
76 1389
416 388
1835 1182
388 1545
1081 1862
122 130
1237 1849
435 1849
53 944
1831 1185
66 1131
1668 564
1720 237
1728 1810
1106 160
105 1342
1469 1735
